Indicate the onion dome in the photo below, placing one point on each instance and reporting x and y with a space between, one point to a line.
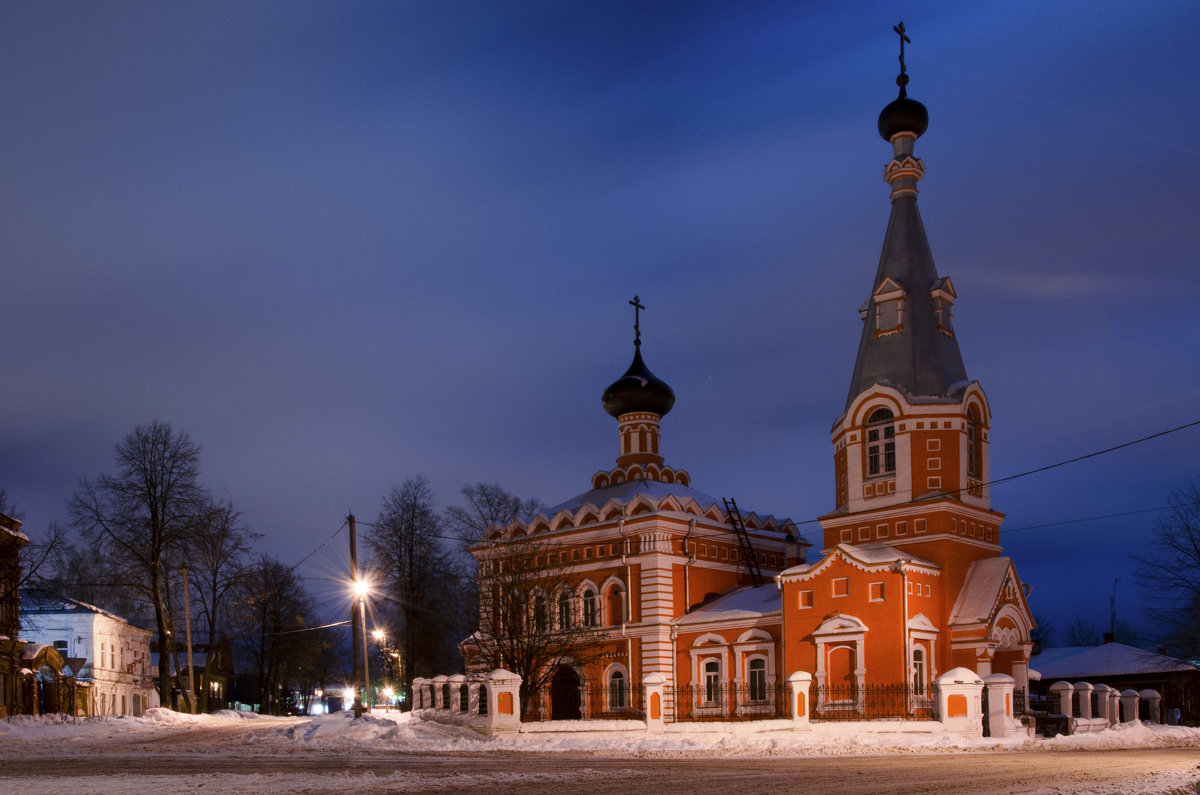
638 390
903 114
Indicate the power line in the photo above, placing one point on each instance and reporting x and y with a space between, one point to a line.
1086 519
548 545
323 544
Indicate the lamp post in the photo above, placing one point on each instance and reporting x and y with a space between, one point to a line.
361 589
358 624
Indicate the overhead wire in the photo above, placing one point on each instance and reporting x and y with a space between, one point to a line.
549 545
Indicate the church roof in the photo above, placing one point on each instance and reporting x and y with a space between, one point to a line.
1111 659
740 603
921 360
638 390
980 590
624 492
873 554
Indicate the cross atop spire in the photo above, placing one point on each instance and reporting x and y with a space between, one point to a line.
903 38
637 328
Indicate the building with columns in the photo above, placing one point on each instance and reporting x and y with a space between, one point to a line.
910 581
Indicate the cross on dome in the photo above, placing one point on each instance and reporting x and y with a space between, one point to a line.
637 305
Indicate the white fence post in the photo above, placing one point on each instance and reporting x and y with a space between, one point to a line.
960 701
799 683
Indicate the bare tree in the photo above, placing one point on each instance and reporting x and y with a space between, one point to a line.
416 569
1042 634
1169 571
273 618
1082 632
139 521
487 504
39 554
217 556
530 621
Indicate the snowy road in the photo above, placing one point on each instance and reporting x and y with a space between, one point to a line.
168 753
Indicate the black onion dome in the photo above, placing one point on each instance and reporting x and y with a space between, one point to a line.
904 114
638 390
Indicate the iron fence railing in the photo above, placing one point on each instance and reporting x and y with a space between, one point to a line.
723 702
844 702
589 702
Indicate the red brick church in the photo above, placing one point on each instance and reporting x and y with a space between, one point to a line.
910 581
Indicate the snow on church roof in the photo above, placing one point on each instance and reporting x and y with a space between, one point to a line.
984 580
624 492
874 554
741 603
1111 659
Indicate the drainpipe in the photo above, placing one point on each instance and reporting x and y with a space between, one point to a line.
783 673
674 656
687 566
905 647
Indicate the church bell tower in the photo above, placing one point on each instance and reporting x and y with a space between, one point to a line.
911 448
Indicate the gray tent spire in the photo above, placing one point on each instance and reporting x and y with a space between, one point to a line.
908 338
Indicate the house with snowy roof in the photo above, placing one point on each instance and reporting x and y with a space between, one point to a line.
724 606
1124 668
113 655
11 648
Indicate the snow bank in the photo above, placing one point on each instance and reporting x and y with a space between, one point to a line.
401 731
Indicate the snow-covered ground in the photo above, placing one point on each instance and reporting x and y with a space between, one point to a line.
401 730
247 735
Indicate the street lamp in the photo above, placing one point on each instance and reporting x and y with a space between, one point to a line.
360 587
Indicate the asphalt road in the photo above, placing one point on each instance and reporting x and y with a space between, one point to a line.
227 760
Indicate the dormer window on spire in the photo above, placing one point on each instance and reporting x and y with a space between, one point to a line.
881 443
889 299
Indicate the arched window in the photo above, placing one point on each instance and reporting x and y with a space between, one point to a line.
564 609
881 443
540 618
616 690
589 608
973 443
756 680
712 682
918 665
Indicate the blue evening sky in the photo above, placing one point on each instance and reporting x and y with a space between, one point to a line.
342 244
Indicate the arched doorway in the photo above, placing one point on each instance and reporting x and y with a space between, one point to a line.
564 694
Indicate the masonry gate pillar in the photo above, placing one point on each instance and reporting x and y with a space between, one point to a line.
504 701
1114 706
1000 689
799 683
440 702
960 701
420 701
1101 699
457 702
1083 696
654 692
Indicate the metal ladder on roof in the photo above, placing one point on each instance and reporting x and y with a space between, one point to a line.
739 527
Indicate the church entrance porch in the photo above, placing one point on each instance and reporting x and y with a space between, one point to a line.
565 698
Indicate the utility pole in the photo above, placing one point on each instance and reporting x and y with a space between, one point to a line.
355 610
187 620
1112 607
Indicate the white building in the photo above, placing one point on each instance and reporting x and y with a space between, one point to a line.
112 654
